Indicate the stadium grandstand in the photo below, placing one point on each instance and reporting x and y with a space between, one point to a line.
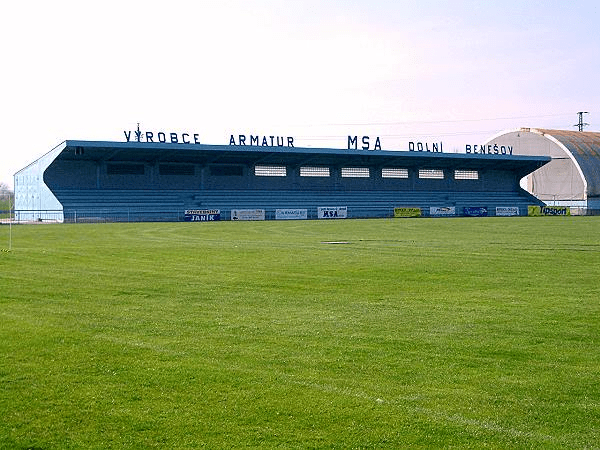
155 181
572 178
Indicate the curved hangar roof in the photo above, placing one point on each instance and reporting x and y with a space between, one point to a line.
573 173
102 151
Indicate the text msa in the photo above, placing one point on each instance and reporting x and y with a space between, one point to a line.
366 143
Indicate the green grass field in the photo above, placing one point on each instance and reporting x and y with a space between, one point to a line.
462 333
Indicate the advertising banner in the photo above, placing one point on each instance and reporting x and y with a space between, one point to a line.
291 214
535 210
247 214
507 210
442 211
475 211
407 212
332 212
201 215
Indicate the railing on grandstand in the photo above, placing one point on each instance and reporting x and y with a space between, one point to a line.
122 216
80 216
75 216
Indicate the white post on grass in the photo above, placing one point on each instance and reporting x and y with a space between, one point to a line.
9 225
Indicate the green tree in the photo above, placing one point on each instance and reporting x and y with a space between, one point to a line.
7 197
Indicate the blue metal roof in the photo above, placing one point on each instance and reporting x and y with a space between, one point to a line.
295 156
585 148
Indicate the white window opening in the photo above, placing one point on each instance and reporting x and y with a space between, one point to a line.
270 171
466 175
394 172
431 174
308 171
355 172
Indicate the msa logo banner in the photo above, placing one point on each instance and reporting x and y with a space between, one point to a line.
332 212
202 215
475 211
442 211
548 210
291 214
507 210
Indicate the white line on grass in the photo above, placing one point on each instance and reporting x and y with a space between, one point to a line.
437 415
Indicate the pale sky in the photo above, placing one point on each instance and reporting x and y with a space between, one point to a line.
456 72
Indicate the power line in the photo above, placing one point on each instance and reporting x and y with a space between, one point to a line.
411 135
413 122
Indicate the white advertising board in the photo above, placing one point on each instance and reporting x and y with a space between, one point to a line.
442 211
332 212
507 210
247 214
291 214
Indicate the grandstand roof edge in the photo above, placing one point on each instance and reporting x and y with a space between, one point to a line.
294 150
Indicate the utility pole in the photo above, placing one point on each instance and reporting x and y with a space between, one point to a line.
581 124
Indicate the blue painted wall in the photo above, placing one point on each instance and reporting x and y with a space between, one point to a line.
86 187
